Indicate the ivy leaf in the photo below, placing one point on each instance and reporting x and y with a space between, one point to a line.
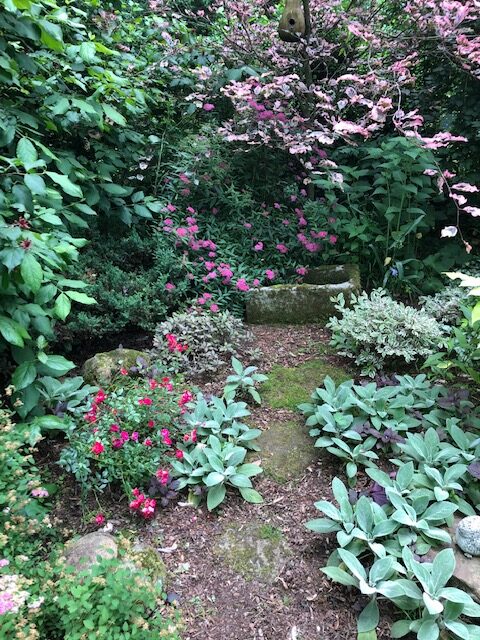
32 272
67 185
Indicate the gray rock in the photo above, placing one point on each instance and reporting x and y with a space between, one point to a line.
100 369
467 570
256 551
303 303
86 552
286 450
467 535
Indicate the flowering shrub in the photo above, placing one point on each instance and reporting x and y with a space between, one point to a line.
378 332
127 434
24 520
112 599
199 341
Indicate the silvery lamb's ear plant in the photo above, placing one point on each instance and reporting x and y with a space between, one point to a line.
243 380
427 449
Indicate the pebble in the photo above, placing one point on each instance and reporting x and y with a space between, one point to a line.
467 535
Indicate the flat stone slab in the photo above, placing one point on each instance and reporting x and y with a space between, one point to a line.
256 551
286 450
85 552
303 303
101 369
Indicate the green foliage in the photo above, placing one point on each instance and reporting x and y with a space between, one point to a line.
379 332
114 598
385 214
430 435
216 466
69 395
123 438
210 338
243 380
445 306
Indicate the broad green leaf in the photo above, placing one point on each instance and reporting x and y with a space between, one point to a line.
368 618
12 332
59 365
429 630
114 115
339 575
215 496
250 495
67 185
214 478
32 272
62 306
239 480
24 375
82 298
87 52
35 183
26 152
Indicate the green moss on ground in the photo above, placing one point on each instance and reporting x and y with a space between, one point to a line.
286 450
287 387
256 551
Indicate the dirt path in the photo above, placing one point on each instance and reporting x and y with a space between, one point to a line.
252 572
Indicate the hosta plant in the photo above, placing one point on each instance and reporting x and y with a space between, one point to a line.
243 380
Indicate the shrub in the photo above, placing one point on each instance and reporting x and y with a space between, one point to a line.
126 436
198 342
378 332
445 305
114 599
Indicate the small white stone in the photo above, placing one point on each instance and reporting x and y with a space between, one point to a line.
467 535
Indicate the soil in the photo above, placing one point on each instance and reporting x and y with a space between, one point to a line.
216 600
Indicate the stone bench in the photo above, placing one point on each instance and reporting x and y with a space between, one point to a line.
308 302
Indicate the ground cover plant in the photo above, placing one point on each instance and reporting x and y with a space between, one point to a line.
429 436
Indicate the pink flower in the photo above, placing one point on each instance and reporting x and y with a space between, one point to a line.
270 275
4 562
150 424
277 205
124 371
256 282
162 475
301 271
182 232
258 246
333 239
186 397
145 401
247 225
99 519
114 428
179 454
117 443
282 248
100 397
39 493
134 436
168 222
242 285
124 436
148 442
208 106
170 286
286 222
184 178
170 207
97 448
214 308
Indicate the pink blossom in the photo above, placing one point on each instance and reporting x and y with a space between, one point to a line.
99 519
162 475
39 493
208 106
170 286
270 275
256 282
214 308
179 454
247 225
333 239
182 232
134 436
170 207
302 271
242 285
282 248
148 442
168 222
258 246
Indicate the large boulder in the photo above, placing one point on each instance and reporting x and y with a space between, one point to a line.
100 369
304 303
85 552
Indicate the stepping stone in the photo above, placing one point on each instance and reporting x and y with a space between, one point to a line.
286 450
303 303
256 551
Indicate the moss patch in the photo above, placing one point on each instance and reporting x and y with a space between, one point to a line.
287 387
286 450
256 551
102 368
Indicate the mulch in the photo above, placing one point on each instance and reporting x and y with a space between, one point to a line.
216 602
